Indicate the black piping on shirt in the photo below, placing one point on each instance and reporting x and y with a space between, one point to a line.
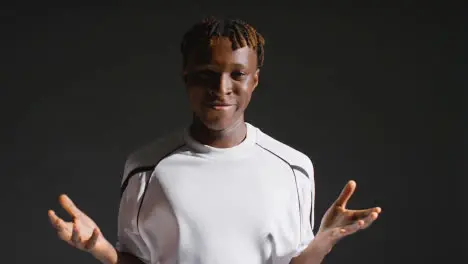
293 167
145 169
133 173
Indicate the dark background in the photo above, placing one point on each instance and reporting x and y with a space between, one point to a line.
371 94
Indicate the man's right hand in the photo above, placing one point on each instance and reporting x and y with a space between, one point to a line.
82 232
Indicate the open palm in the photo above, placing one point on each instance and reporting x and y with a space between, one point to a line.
339 221
82 232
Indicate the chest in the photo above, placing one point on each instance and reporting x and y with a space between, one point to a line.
249 193
199 208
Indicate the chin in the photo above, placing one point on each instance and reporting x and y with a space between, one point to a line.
218 125
218 121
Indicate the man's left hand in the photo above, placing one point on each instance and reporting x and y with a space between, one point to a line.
339 222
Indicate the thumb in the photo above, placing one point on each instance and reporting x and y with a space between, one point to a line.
346 193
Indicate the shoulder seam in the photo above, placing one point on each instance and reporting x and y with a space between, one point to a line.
273 153
292 167
146 168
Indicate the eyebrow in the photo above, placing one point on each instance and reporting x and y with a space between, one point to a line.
213 67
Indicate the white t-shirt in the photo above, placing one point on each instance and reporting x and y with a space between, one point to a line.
188 203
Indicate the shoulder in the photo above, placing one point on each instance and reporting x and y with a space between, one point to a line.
151 153
298 160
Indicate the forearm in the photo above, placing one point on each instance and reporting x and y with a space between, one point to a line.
310 256
110 255
314 253
119 258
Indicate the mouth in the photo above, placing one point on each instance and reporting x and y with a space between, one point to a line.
219 106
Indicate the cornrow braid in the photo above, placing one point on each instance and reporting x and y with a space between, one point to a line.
239 32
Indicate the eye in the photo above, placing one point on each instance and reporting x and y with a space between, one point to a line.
206 74
202 76
237 75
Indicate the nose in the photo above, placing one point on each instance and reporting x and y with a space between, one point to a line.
224 86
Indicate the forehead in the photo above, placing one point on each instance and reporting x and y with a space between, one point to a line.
220 53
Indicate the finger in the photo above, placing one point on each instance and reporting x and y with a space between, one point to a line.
56 221
92 240
359 225
359 214
346 193
369 220
352 228
53 218
75 237
69 206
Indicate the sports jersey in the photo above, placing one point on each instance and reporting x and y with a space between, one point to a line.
188 203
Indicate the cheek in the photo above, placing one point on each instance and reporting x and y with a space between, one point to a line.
244 95
245 99
195 95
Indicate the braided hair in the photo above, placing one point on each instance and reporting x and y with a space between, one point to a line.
239 32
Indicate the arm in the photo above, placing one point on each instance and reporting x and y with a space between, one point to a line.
107 253
313 254
112 256
337 223
83 234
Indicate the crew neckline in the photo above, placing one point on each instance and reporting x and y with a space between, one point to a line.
240 149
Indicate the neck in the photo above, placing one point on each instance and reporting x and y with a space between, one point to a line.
226 138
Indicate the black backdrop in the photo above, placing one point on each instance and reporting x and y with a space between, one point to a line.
371 94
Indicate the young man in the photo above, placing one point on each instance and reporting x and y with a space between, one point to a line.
221 191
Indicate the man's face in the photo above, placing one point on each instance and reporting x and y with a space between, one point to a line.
220 82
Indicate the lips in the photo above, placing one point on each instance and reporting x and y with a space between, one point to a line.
219 104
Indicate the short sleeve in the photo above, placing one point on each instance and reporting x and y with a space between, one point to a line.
129 239
306 188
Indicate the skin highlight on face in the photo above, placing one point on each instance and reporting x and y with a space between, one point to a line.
220 82
221 64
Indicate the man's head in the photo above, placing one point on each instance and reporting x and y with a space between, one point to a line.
221 64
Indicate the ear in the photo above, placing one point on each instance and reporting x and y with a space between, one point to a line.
256 79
